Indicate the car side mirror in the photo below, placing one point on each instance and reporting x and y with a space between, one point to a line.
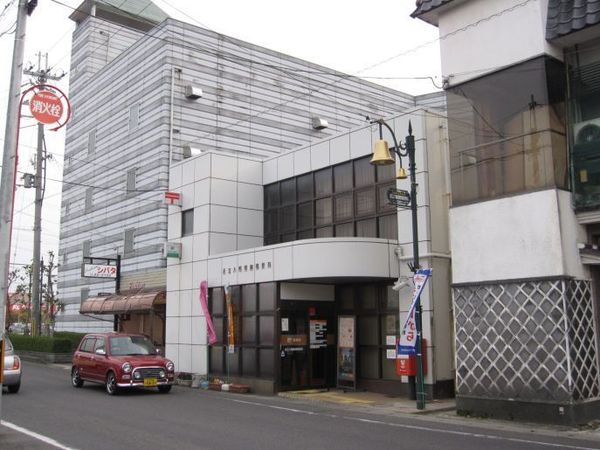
157 351
101 352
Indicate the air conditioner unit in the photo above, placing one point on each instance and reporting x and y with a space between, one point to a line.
587 132
189 151
193 92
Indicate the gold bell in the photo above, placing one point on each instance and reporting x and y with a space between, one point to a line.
401 175
381 154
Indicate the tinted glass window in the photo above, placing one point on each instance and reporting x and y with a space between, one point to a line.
305 187
305 215
323 185
342 177
364 172
272 196
288 191
343 207
187 222
323 214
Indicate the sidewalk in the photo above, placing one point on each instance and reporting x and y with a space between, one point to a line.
370 400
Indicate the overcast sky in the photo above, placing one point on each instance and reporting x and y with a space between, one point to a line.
376 40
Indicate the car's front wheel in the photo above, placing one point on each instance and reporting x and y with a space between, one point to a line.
164 389
111 384
76 380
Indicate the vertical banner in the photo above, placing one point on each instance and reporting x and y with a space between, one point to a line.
230 323
212 335
408 338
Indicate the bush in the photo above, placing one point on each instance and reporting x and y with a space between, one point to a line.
75 338
45 344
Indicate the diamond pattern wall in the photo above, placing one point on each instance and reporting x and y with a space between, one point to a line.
530 341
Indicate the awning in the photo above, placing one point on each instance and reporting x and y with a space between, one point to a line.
123 303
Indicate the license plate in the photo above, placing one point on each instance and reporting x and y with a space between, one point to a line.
150 382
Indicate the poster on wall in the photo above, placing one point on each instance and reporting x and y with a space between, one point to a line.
318 334
346 352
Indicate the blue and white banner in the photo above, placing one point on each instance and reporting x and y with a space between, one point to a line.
408 339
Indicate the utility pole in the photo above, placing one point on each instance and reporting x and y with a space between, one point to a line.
42 76
9 158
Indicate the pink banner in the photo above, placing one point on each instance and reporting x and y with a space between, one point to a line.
212 336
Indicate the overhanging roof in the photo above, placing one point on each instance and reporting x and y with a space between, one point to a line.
121 304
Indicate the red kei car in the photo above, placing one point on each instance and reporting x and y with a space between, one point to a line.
120 360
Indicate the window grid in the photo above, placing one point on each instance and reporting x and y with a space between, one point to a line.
336 201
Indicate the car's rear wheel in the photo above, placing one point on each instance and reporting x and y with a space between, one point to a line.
14 388
76 380
164 389
111 384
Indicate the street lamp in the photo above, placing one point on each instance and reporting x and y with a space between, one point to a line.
382 156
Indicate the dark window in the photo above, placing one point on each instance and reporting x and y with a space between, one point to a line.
249 298
249 361
323 213
305 187
343 207
287 218
344 230
272 196
342 177
323 185
305 215
267 293
325 232
366 228
288 191
364 172
386 173
187 222
365 202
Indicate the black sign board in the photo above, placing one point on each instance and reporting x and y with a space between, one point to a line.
398 197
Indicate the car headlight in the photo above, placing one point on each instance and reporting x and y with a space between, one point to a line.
126 367
170 366
137 375
161 374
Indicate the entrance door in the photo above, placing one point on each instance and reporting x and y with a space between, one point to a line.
307 346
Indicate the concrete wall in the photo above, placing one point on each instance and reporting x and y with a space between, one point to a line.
484 46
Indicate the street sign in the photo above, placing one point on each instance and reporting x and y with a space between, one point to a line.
46 107
398 197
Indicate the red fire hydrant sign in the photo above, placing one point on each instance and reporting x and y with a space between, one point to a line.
46 107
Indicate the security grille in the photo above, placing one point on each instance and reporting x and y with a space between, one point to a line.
531 341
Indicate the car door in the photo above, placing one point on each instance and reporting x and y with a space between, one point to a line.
100 362
84 356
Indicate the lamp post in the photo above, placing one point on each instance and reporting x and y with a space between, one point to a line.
382 156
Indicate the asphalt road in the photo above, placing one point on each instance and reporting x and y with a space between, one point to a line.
89 419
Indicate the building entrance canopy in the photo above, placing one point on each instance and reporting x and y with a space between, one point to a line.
123 303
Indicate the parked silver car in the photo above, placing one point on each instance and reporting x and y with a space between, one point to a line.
12 368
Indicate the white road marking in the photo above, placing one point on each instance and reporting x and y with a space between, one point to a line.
420 428
35 435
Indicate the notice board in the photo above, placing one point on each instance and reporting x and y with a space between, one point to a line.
346 353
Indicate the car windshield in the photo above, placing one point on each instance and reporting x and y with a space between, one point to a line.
130 345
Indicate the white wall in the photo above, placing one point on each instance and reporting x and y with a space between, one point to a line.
506 39
523 236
